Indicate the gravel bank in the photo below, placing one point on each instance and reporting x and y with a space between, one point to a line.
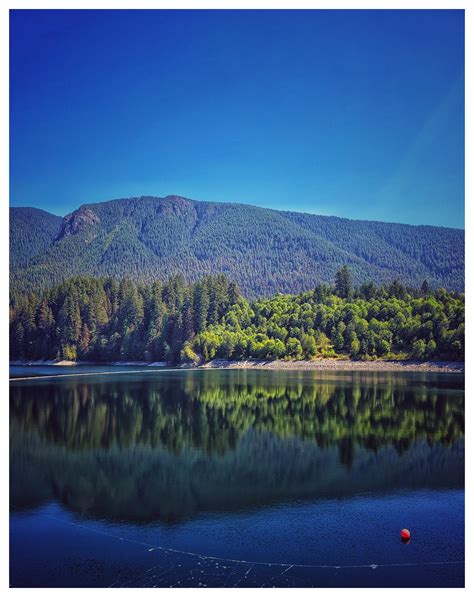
341 365
316 365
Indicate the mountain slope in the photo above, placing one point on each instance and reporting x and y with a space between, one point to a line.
264 250
31 232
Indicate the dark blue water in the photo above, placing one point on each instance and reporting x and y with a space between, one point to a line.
236 478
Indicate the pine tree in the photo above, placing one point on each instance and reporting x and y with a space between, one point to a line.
343 282
188 320
201 307
85 340
17 340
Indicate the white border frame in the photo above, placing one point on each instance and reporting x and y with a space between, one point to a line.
6 5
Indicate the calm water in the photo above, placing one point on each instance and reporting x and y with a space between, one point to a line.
236 478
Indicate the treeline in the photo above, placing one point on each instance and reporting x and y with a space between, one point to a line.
390 321
106 320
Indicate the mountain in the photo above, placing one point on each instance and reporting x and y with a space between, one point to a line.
264 250
32 231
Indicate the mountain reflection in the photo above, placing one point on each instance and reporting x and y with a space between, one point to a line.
169 447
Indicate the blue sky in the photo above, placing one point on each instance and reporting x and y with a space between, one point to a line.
358 114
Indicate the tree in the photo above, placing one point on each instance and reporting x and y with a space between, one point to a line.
130 312
308 343
200 307
294 348
419 349
430 348
45 317
397 289
188 355
188 320
338 336
85 340
17 339
69 352
368 291
343 282
322 292
69 320
354 347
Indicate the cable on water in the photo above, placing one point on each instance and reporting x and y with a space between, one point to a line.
90 373
151 547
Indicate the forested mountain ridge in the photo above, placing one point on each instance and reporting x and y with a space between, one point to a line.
32 231
263 250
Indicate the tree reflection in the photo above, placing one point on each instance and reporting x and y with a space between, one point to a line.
205 413
168 447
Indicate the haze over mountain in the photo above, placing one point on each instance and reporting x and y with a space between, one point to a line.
265 251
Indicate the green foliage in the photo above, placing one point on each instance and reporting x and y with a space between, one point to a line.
419 349
69 353
188 355
105 320
343 282
395 322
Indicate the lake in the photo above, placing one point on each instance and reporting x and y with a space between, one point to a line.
188 478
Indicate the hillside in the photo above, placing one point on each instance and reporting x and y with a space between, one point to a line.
32 231
265 251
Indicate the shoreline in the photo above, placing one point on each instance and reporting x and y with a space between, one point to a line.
277 365
341 365
63 363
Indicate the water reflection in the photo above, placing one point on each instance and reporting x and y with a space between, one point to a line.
164 448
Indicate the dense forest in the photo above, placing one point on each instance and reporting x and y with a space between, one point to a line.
264 251
104 320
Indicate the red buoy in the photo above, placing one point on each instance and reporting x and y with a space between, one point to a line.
405 534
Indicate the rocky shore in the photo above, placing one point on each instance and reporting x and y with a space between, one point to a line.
316 365
341 365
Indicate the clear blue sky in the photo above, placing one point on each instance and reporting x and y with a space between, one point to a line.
351 113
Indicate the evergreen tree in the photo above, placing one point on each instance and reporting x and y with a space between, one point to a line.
343 282
201 306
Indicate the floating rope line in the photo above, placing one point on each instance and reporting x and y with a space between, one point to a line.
251 563
97 373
